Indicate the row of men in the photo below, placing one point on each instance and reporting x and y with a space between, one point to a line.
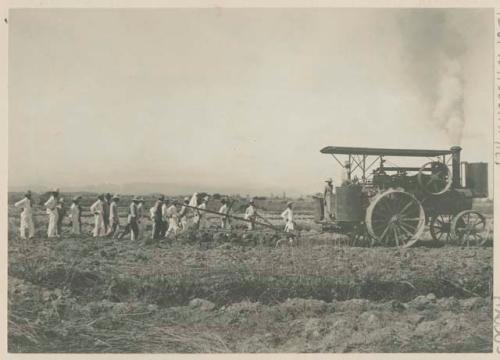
166 218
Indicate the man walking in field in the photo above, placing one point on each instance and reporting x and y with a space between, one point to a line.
251 214
75 213
132 226
140 217
105 212
201 222
157 218
97 210
184 214
164 218
114 219
61 213
173 220
51 205
27 223
288 217
224 209
328 197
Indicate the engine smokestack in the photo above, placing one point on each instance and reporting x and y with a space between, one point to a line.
455 167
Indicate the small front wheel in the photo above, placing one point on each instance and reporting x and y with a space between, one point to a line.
468 228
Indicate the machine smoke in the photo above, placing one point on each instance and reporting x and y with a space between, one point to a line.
434 48
448 113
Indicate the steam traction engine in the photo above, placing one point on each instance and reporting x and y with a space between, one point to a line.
386 204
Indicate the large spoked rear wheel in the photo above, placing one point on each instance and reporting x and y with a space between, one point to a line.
395 218
468 228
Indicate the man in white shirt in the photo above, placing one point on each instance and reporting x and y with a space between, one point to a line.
27 223
251 214
51 205
97 210
114 218
328 198
132 226
140 217
287 216
75 213
184 214
164 218
173 219
224 209
201 218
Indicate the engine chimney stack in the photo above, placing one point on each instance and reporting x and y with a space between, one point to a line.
456 165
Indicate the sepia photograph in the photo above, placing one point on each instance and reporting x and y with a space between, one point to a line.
250 180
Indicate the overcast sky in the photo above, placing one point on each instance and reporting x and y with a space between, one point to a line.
239 98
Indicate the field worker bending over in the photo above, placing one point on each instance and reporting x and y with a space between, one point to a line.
251 214
132 226
173 219
183 214
114 218
140 217
97 210
201 219
51 205
157 218
328 197
61 213
224 209
75 214
27 223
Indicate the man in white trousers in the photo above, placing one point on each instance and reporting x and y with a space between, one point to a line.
173 219
184 214
75 213
98 211
114 219
27 223
251 214
140 217
224 209
288 217
51 205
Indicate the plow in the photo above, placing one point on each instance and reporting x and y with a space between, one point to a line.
380 205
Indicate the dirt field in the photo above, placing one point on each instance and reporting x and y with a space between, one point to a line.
239 294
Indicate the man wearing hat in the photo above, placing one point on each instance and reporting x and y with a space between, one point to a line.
328 198
200 219
114 219
61 213
157 218
251 214
26 215
132 226
51 205
75 213
97 210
